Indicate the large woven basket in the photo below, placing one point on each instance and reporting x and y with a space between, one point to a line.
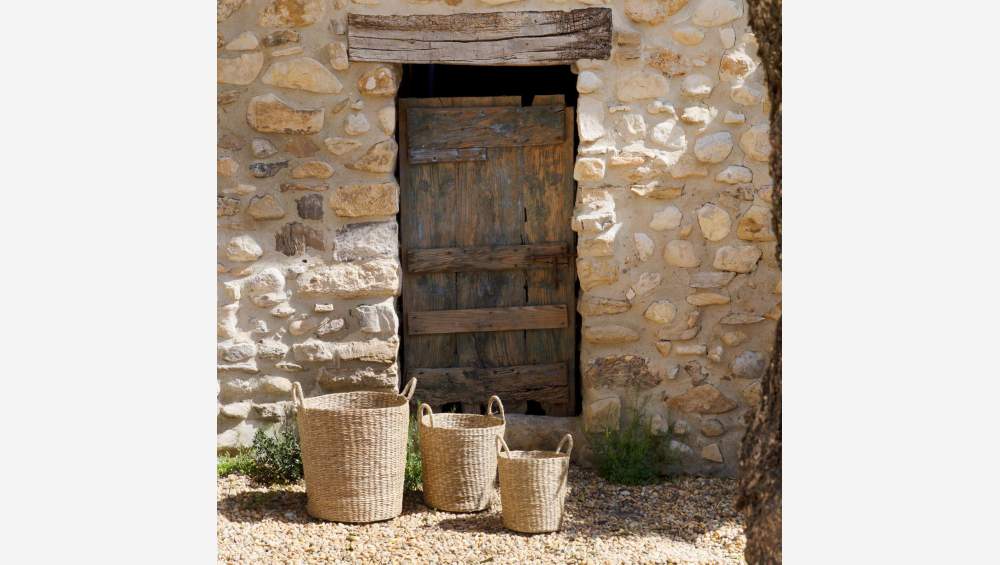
459 454
533 487
354 453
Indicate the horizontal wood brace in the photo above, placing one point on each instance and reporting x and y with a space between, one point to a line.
488 320
487 258
542 383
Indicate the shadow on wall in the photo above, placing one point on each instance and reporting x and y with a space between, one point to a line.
429 81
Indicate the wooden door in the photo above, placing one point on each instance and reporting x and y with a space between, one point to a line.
487 193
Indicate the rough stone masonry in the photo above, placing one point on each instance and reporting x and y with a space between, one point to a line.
680 289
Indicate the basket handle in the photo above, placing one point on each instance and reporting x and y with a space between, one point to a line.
409 388
502 446
430 413
298 399
566 438
489 408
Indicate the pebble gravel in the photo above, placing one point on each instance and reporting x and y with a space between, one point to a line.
685 520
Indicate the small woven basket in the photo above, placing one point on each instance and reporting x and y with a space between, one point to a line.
533 487
354 453
459 454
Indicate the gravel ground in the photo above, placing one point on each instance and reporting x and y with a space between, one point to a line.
689 520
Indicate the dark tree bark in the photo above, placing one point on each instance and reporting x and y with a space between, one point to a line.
760 461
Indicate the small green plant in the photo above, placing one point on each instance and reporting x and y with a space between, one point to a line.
277 458
240 463
414 468
633 454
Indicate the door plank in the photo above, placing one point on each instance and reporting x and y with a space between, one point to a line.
487 319
550 196
513 385
451 128
487 258
495 38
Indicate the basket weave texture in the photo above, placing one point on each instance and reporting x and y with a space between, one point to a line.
459 455
354 453
533 487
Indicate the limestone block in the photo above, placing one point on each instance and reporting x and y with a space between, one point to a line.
602 245
669 134
756 224
714 222
337 52
642 85
226 8
238 410
736 258
366 240
312 170
666 219
379 81
645 284
361 200
711 452
270 114
755 144
272 349
746 94
596 271
280 37
751 394
697 86
736 65
713 13
329 327
226 320
226 167
243 248
710 279
242 69
261 148
690 349
702 399
733 118
602 414
688 35
589 169
669 62
341 145
380 158
379 318
644 246
733 338
707 299
741 318
591 305
698 115
660 312
735 174
664 347
590 119
749 365
712 427
387 119
629 372
680 253
236 437
652 11
363 377
588 82
609 334
356 124
303 326
714 148
290 13
268 280
302 73
293 238
236 350
377 277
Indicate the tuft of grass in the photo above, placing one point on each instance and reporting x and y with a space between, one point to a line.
239 463
633 454
414 468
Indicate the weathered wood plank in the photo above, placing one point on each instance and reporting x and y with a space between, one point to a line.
450 128
419 156
496 38
514 385
487 258
487 319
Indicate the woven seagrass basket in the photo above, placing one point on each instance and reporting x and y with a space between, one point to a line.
459 454
533 487
354 453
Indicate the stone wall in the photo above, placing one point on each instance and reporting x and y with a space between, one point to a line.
679 283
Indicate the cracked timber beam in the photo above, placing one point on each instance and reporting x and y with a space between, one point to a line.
495 38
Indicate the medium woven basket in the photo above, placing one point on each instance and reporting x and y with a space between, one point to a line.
459 454
354 453
533 487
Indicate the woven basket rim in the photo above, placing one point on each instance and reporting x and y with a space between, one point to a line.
458 421
536 455
393 400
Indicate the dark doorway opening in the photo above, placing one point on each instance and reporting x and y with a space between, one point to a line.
432 81
453 81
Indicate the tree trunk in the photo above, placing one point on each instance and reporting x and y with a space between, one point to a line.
760 461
